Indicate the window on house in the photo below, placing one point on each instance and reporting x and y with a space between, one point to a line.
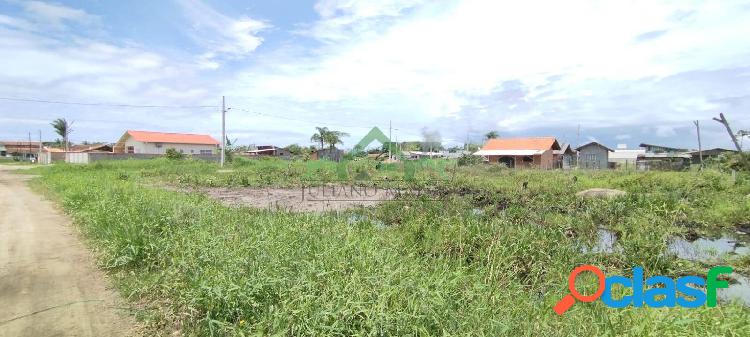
158 145
131 149
528 159
590 157
207 152
182 151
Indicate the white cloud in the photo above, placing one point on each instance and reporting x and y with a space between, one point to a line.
623 137
55 14
223 36
665 131
435 58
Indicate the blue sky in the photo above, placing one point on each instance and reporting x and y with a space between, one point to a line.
625 71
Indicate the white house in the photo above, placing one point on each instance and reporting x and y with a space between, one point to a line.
150 142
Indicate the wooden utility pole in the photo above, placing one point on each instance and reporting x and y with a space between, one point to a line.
723 121
700 148
39 155
223 129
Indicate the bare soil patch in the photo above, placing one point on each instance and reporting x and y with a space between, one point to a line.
302 199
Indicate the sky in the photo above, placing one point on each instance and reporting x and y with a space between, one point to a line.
617 72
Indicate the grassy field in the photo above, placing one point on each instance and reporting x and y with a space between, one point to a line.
489 258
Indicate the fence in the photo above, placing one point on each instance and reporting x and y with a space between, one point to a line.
90 157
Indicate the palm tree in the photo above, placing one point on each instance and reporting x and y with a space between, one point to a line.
320 136
491 135
63 128
334 137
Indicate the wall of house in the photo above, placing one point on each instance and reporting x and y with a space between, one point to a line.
161 148
542 161
593 157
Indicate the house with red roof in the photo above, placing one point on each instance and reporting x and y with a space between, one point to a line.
527 152
150 142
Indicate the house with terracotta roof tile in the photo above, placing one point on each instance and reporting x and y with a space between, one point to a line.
150 142
528 152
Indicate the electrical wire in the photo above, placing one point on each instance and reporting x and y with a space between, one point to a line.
34 100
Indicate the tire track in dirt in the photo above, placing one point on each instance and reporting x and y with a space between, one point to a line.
49 284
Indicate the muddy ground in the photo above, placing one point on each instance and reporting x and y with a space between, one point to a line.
302 199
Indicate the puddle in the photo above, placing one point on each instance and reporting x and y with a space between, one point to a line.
707 249
702 249
739 291
356 218
606 242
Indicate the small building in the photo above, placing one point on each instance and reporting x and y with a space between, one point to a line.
22 150
263 150
150 142
3 151
529 152
593 156
98 148
660 157
566 157
651 148
624 157
707 154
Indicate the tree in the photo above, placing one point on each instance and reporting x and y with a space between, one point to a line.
333 137
320 136
63 128
491 135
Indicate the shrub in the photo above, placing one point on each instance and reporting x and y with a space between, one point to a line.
174 154
469 159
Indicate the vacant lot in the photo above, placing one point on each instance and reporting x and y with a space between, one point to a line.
488 256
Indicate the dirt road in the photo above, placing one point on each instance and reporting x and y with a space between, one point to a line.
49 284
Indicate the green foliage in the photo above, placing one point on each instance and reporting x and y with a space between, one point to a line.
173 154
469 159
421 266
735 161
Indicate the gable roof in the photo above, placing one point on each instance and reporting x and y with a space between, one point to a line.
564 148
527 143
173 138
593 143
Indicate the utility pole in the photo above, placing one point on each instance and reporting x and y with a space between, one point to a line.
223 128
390 142
700 148
39 155
723 121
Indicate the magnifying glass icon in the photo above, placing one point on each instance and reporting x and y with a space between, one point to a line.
566 302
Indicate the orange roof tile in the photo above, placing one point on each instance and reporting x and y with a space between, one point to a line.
174 138
529 143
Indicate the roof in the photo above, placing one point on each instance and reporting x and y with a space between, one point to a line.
714 150
593 143
664 147
663 155
626 154
172 138
508 152
528 143
564 148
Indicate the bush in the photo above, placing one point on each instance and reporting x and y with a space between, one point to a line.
735 161
174 154
469 159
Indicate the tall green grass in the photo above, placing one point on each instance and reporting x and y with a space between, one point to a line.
417 267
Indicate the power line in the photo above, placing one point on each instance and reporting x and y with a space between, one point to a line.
34 100
302 120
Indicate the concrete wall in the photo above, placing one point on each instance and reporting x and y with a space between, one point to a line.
90 157
542 161
161 148
593 157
